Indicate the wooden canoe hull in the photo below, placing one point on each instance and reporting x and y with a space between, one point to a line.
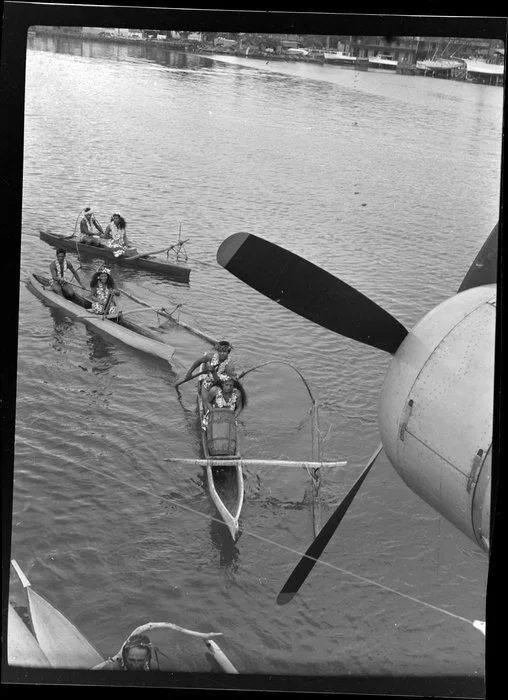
51 642
61 642
177 271
230 517
106 326
22 647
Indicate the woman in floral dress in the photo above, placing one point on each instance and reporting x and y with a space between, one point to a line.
115 235
227 392
103 286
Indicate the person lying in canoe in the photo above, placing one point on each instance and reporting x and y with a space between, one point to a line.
60 269
90 229
226 392
135 655
115 235
103 288
216 362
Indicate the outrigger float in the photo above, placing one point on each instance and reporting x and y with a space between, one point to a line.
177 269
114 325
50 640
221 454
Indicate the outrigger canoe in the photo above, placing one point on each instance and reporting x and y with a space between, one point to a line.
49 640
219 442
178 271
114 326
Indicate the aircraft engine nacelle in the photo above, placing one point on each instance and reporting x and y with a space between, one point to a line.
436 409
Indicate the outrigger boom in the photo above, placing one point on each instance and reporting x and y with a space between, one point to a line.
210 462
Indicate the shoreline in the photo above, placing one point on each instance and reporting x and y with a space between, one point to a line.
207 50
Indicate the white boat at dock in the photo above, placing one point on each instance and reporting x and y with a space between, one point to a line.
482 67
438 64
383 61
339 57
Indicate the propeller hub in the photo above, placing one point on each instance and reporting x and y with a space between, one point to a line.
436 409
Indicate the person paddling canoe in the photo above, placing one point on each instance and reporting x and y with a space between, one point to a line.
60 269
90 229
215 363
103 286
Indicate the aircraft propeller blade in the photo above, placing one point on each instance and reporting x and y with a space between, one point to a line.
311 556
484 267
309 291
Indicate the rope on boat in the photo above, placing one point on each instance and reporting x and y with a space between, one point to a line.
477 624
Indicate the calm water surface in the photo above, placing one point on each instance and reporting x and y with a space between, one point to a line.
391 182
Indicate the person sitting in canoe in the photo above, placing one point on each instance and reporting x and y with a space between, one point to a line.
59 269
226 392
90 228
135 655
103 288
115 235
215 362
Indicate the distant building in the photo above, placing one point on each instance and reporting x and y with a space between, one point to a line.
195 36
225 43
400 48
289 44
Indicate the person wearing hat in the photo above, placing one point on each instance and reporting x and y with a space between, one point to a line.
215 363
90 228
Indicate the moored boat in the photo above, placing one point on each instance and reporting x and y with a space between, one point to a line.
49 640
482 72
179 271
383 61
438 64
220 442
339 58
114 326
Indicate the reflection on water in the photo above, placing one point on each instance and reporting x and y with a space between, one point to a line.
62 324
100 349
223 543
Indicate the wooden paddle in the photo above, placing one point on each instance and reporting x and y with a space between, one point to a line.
188 380
137 311
107 305
154 252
